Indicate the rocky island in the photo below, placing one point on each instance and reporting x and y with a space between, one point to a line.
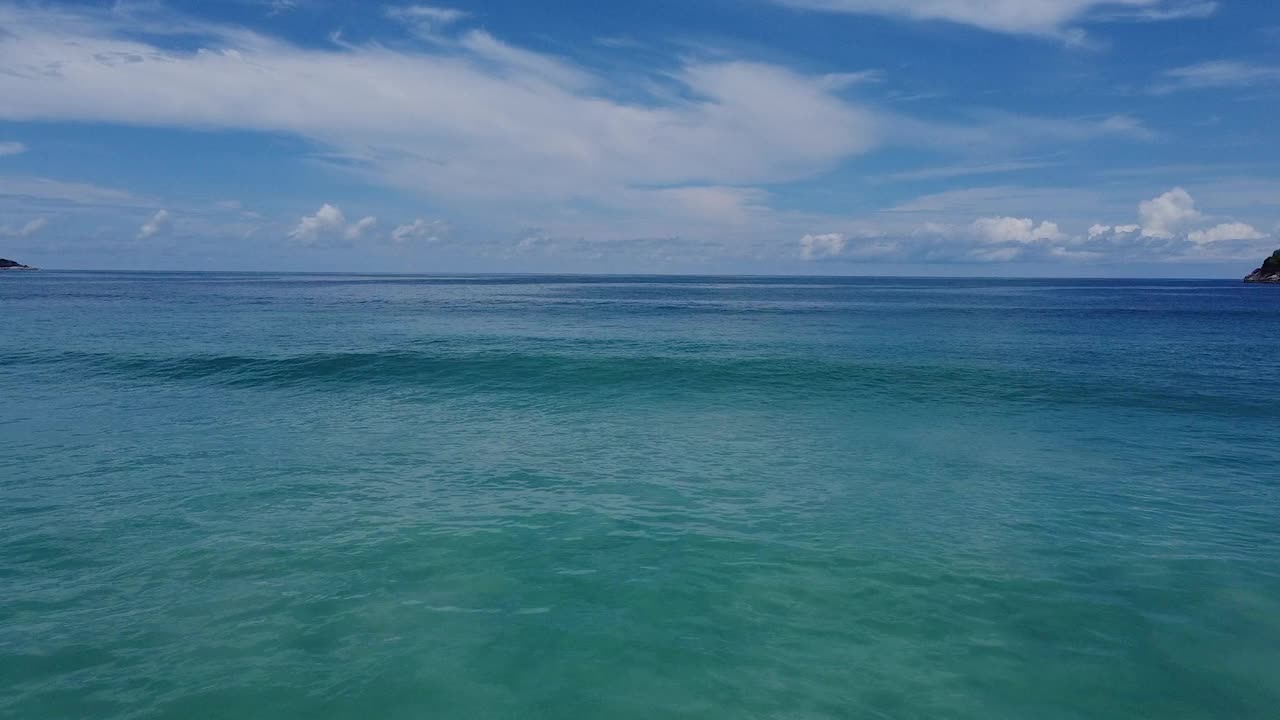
1268 273
12 265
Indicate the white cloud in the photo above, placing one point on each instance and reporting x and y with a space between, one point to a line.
33 227
963 170
1165 234
507 135
11 148
419 230
330 223
1125 125
1012 131
1189 9
1224 232
813 247
1216 74
993 239
481 121
840 81
426 20
1000 254
729 205
997 230
478 120
1037 17
977 201
30 228
432 13
280 7
156 225
327 219
57 191
1173 230
1163 216
1062 253
361 228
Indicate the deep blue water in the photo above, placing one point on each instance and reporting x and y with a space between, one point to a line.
304 496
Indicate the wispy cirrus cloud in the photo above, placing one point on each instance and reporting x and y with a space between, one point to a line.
476 119
1216 74
8 148
26 230
158 223
501 136
952 171
483 118
995 131
1155 12
1054 18
426 21
48 190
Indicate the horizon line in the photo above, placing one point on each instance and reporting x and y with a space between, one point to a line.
463 274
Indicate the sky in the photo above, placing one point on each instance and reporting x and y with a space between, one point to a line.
1072 138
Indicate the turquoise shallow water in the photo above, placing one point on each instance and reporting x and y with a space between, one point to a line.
301 496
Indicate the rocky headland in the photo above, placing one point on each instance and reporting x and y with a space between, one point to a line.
6 264
1268 273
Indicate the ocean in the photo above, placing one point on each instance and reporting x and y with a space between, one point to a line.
335 496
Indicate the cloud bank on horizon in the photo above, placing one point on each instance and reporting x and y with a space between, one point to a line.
956 136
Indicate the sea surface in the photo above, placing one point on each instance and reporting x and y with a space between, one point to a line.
330 496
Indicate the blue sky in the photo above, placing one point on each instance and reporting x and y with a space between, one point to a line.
937 137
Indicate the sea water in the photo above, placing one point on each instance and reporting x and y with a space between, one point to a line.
305 496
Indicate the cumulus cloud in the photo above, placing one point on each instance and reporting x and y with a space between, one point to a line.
327 219
1099 230
30 228
156 225
826 245
1014 230
1167 231
990 239
1163 216
329 223
1171 228
1036 17
11 148
361 228
418 231
1224 232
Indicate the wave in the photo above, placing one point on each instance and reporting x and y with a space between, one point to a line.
784 378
